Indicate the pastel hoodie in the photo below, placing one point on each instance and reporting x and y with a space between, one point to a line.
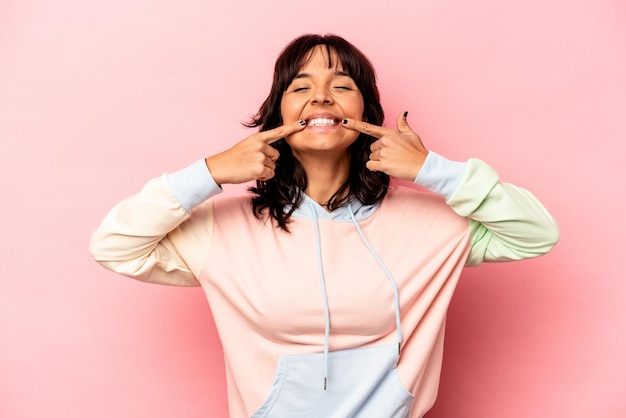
344 315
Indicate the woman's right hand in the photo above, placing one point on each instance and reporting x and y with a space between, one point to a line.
251 159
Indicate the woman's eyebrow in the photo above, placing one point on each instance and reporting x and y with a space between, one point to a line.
338 73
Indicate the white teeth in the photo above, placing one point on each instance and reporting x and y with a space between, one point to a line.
322 122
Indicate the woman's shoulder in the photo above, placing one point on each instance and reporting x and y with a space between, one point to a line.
232 203
409 212
222 207
400 199
408 195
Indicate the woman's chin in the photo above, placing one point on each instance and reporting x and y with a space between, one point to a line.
321 141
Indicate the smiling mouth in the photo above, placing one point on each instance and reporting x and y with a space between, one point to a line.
322 122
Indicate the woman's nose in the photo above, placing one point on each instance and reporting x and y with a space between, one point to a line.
321 95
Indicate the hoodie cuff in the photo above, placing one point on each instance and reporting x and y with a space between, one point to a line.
440 175
193 185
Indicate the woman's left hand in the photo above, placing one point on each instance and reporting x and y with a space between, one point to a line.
398 153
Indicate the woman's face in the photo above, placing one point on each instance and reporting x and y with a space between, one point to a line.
323 97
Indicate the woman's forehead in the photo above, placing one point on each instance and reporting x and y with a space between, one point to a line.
322 55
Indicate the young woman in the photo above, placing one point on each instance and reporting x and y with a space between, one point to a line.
329 288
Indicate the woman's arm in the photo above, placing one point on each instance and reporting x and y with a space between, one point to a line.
163 233
152 236
506 222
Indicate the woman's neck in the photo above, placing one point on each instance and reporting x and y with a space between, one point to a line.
325 175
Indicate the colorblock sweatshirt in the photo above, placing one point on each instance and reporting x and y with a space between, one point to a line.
344 315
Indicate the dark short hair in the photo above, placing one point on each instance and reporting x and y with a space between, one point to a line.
287 186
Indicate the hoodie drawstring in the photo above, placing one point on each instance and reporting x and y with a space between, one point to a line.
325 294
396 297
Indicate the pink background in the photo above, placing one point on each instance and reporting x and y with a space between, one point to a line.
98 96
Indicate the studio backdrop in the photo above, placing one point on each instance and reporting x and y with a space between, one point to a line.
97 97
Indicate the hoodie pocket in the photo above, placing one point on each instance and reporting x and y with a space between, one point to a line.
362 383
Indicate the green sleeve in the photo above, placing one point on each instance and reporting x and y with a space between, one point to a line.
506 222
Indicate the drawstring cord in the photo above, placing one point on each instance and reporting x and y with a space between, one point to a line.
394 286
396 297
324 294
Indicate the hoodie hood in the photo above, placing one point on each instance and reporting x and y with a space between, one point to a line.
343 214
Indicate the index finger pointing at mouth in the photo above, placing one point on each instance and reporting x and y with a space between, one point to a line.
364 127
280 132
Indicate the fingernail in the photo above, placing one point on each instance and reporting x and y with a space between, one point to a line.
302 123
405 114
345 121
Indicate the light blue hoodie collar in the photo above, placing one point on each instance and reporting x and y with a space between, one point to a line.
342 214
